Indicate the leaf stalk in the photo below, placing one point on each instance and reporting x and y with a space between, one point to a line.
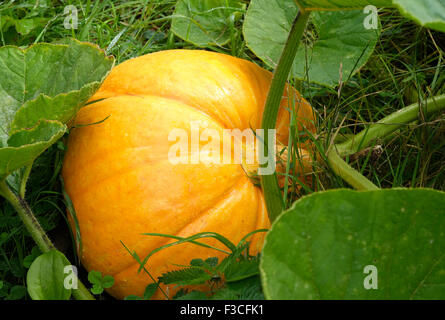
269 183
36 231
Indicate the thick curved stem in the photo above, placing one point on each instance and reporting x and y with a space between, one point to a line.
347 173
29 220
36 231
24 180
269 183
379 130
389 124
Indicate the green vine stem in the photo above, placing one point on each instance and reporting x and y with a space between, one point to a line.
269 183
389 124
379 130
24 179
36 231
348 173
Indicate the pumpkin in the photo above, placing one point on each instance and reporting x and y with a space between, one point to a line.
119 178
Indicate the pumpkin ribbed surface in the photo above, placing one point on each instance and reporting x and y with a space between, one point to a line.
122 184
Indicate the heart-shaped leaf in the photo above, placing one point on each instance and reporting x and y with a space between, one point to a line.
46 276
206 23
344 244
341 46
99 283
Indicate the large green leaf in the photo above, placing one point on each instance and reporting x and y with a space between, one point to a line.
428 13
206 22
42 88
47 81
341 43
320 248
46 277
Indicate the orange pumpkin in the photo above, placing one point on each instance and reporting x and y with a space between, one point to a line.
122 184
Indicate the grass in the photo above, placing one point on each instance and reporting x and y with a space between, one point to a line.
407 64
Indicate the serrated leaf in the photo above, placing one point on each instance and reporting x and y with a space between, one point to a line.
150 290
186 276
45 278
241 270
232 258
197 262
322 246
206 22
212 261
342 44
192 295
246 289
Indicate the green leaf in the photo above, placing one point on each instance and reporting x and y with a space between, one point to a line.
247 289
322 246
133 297
212 262
45 278
197 263
341 4
94 276
25 26
150 290
16 293
47 81
337 41
428 13
241 270
107 281
6 22
97 289
41 88
206 22
99 283
27 145
29 259
186 276
192 295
